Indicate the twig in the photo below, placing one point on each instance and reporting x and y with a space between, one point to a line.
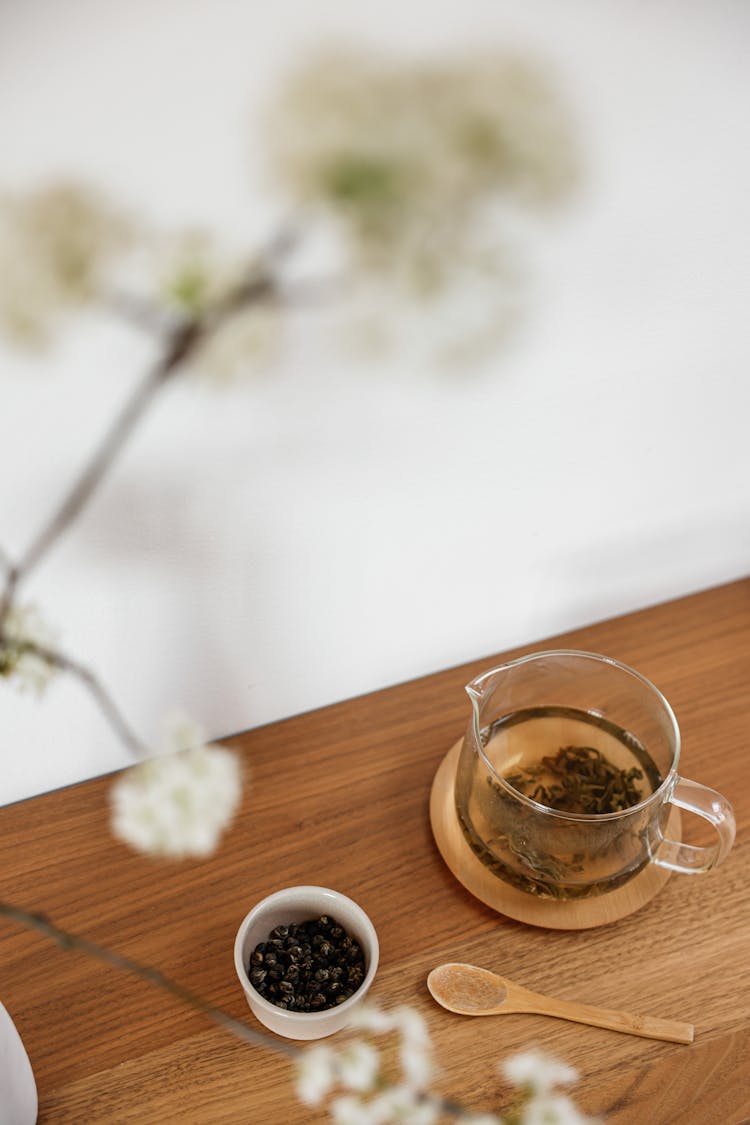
256 288
5 561
92 683
181 342
83 487
67 940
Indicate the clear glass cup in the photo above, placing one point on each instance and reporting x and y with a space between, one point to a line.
556 734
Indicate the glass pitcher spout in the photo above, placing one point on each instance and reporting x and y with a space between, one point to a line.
475 695
474 692
480 688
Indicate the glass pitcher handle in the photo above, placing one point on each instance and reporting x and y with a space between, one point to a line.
714 808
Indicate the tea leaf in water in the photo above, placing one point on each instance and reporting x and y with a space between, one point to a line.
579 779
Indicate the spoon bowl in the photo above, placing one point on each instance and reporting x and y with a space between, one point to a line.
469 990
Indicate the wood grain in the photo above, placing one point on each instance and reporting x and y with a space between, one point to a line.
340 797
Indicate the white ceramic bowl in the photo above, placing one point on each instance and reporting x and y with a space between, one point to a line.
300 904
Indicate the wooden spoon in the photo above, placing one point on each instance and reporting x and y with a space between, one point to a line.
471 991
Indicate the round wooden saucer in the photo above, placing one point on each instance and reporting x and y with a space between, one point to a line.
554 914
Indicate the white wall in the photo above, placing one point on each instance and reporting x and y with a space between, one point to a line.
339 527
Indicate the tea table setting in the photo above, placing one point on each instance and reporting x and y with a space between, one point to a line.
420 846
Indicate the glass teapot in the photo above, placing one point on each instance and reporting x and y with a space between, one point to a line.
567 775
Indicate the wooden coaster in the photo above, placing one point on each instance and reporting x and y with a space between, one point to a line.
553 914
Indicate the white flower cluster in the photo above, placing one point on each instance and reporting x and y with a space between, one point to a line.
538 1076
195 273
370 1099
65 245
54 243
412 155
423 168
357 1068
25 626
178 804
245 344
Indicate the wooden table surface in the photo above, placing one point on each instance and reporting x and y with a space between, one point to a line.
339 797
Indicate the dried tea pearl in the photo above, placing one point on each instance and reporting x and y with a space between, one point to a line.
307 966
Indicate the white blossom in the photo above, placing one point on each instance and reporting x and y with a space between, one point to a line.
357 1066
397 149
416 165
54 245
24 625
195 272
192 269
407 1100
415 1046
315 1075
415 1051
368 1017
246 343
413 1026
537 1072
349 1110
417 1066
178 804
400 1105
321 1068
552 1109
181 732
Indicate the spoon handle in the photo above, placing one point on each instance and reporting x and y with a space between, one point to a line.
650 1027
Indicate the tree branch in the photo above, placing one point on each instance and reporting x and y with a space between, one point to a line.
5 561
67 940
181 342
93 685
70 941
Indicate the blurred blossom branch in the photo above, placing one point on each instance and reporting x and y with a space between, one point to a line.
70 941
180 343
413 171
144 811
423 168
51 659
362 1089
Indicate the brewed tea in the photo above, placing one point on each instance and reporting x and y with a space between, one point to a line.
570 762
